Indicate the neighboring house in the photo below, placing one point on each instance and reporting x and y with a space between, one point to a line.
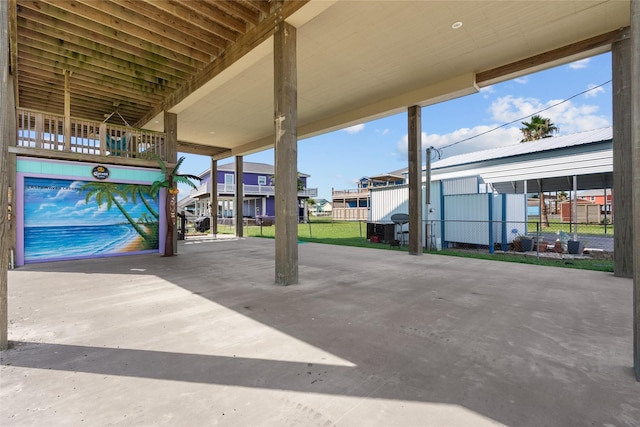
321 207
354 204
258 192
587 212
598 197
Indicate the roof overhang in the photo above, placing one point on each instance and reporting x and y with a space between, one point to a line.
356 60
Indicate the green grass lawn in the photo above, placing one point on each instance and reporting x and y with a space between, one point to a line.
583 229
354 234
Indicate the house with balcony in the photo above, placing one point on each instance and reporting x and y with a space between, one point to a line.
354 204
257 188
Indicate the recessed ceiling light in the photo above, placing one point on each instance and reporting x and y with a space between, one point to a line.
456 25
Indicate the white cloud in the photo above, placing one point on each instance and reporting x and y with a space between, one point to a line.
384 132
583 63
354 129
487 91
595 92
497 138
522 80
568 117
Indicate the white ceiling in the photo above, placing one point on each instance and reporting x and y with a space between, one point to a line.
360 60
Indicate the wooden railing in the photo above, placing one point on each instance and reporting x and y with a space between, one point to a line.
248 190
353 193
45 131
350 214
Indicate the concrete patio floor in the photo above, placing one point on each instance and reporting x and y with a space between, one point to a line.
368 338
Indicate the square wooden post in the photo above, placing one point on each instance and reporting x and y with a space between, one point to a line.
622 161
238 200
286 153
635 151
415 180
213 197
8 134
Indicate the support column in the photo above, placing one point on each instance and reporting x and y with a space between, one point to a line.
239 195
8 134
622 160
286 153
213 197
635 151
415 180
171 141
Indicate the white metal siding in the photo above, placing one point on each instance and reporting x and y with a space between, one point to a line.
515 216
466 185
467 218
389 200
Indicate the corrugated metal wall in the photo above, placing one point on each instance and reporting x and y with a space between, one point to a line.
467 218
389 200
466 185
515 216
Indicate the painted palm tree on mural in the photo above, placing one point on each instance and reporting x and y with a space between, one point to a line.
108 192
538 128
172 178
142 192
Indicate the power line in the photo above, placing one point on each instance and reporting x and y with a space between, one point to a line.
522 118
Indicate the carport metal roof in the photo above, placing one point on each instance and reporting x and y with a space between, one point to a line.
554 161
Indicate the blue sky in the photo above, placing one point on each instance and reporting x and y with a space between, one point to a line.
338 159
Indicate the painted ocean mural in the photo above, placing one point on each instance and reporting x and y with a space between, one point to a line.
67 219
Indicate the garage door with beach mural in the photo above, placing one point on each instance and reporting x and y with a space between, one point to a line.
66 219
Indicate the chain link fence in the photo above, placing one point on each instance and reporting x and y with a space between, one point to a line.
532 236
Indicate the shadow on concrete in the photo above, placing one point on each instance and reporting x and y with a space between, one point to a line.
522 345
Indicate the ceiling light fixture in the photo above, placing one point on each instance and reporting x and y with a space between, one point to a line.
456 25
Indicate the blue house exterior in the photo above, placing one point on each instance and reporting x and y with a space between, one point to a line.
258 191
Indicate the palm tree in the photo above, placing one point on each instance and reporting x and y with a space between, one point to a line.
107 192
538 128
171 178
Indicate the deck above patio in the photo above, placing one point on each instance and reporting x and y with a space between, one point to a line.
42 134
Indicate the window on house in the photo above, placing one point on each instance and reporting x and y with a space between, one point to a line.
262 180
228 178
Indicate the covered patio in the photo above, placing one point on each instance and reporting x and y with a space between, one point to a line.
199 340
227 79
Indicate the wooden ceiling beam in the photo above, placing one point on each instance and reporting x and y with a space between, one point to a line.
137 23
85 105
244 45
110 62
261 6
78 64
202 150
180 17
249 16
47 70
214 14
493 75
68 12
90 40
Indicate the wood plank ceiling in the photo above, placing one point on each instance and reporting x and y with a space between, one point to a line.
127 55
